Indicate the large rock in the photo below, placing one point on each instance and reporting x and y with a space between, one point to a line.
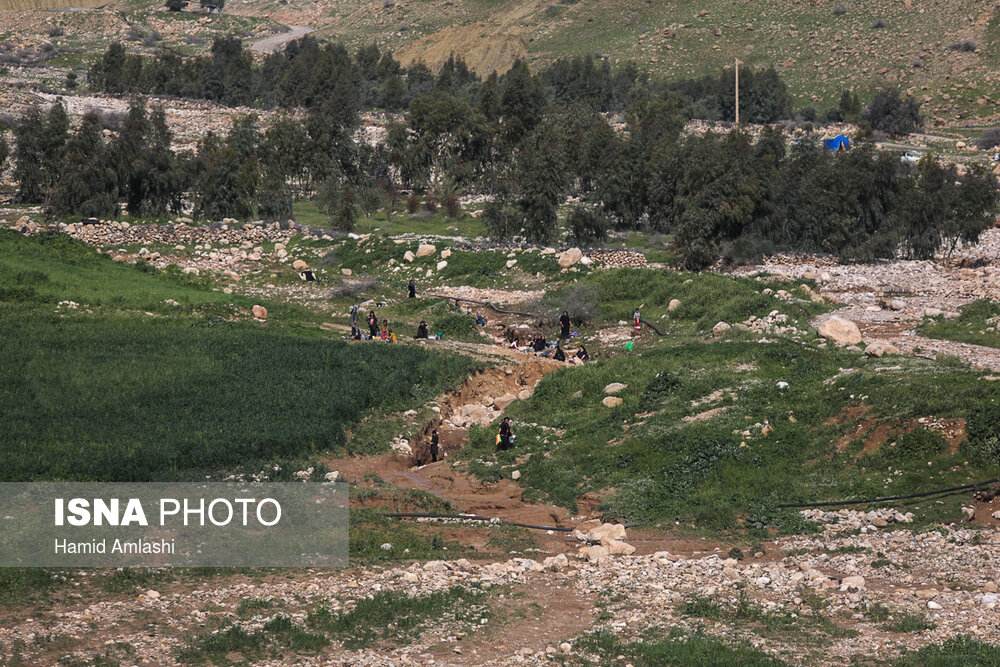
260 312
570 257
840 330
673 305
445 254
618 548
878 348
409 256
614 388
442 265
721 328
300 264
557 562
612 401
606 531
594 553
425 250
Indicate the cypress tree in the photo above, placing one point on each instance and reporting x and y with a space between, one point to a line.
28 157
87 185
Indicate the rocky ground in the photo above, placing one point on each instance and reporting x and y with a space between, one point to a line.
866 587
888 300
838 595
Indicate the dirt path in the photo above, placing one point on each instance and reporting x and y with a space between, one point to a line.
275 42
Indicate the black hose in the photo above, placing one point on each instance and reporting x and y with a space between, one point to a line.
473 517
923 494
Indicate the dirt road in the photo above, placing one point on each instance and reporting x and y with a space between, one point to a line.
275 42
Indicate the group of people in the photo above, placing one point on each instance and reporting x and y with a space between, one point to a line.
542 348
375 330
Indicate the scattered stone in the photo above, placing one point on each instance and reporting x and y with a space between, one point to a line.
260 312
612 401
878 348
673 305
408 256
425 250
614 388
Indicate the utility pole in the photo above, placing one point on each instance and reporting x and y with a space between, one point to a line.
738 92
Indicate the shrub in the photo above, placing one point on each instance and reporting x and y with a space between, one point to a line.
354 287
430 203
71 80
132 35
989 139
152 39
580 301
890 113
965 46
839 10
983 430
412 203
56 31
878 24
451 205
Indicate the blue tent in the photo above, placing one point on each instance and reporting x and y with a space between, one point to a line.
839 142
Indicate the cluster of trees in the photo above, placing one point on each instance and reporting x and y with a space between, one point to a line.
529 141
247 173
307 73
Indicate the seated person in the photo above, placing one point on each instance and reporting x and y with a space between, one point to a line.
480 320
582 354
539 343
390 337
558 354
421 330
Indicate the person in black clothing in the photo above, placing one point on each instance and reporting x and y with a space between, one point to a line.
411 290
421 330
582 354
373 324
539 343
355 333
564 321
434 446
505 434
559 355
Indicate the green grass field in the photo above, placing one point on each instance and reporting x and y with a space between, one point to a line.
126 392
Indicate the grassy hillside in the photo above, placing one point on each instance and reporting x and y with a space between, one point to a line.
149 376
716 435
818 50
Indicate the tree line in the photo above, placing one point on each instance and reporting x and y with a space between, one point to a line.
527 140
